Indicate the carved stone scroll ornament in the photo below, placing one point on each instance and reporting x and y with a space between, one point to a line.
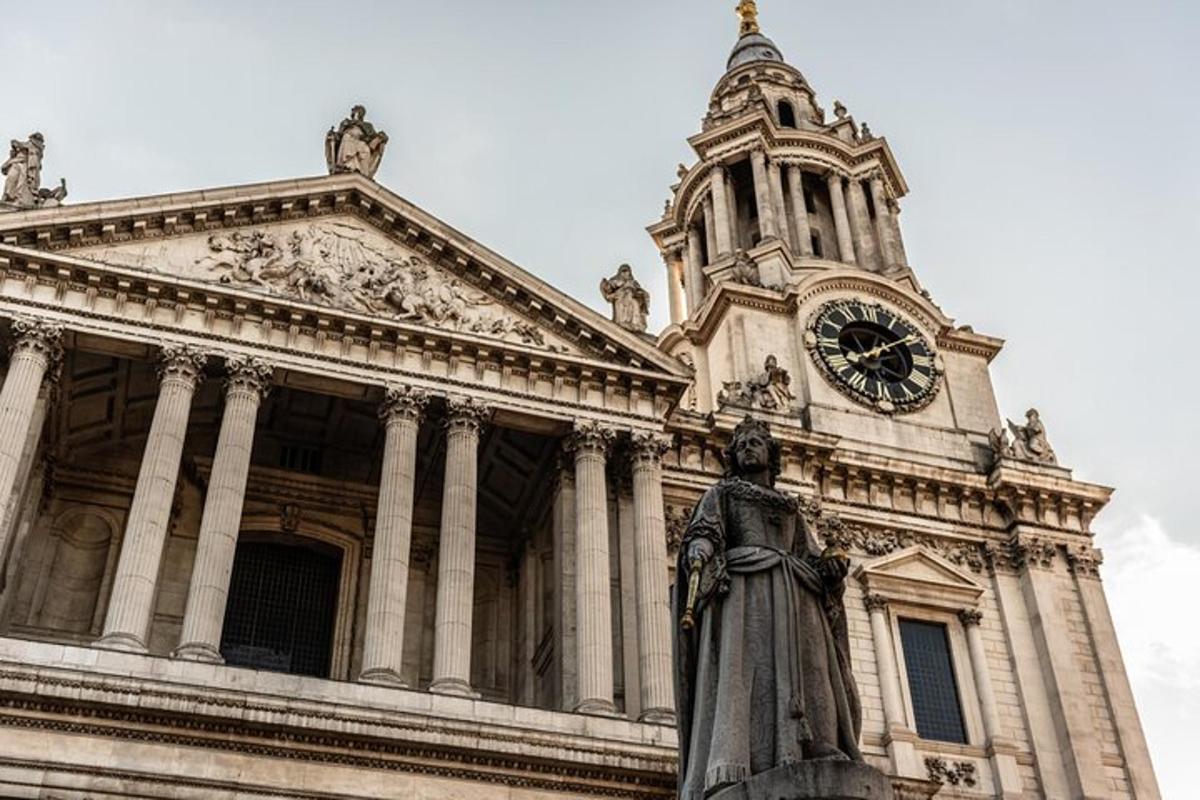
22 172
769 390
745 270
339 265
248 374
955 773
403 402
630 302
355 145
676 523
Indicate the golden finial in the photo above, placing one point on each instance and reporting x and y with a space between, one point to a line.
748 11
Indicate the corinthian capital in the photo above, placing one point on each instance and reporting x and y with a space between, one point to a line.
181 362
463 413
37 337
875 602
970 616
590 436
248 374
649 446
403 402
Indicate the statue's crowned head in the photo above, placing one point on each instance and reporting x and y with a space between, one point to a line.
753 450
358 112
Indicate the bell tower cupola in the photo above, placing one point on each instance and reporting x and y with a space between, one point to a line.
779 189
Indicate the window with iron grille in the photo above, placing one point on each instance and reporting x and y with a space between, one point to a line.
931 683
281 609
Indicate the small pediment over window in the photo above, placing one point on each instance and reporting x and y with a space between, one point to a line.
919 576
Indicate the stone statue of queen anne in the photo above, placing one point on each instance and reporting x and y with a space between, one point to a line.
762 659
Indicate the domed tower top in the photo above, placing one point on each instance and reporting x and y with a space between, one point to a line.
751 45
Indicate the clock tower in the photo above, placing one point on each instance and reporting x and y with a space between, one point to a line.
982 643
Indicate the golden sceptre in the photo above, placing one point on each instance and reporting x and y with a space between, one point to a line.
689 614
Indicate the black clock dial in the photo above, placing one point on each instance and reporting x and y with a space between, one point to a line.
874 355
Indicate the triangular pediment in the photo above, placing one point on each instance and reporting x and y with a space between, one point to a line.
919 575
345 243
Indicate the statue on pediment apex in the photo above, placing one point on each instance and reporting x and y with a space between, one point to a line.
355 145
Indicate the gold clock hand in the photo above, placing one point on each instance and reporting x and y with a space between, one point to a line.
877 351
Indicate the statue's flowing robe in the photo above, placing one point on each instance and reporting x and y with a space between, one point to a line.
763 678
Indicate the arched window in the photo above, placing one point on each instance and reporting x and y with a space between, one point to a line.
282 606
787 114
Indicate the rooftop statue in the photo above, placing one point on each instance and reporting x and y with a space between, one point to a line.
23 177
355 145
630 302
769 390
764 692
1028 441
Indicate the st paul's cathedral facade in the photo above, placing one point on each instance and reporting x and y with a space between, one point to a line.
305 493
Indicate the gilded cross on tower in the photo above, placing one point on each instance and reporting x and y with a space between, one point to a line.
748 11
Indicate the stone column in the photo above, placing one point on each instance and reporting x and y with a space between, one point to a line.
593 601
132 601
778 206
800 211
695 271
841 222
898 737
248 382
36 349
710 230
650 548
882 222
720 205
1001 753
383 644
767 225
456 550
860 225
675 285
893 218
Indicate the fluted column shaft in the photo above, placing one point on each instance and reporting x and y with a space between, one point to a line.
37 348
768 227
456 551
383 645
883 232
720 204
593 600
129 610
695 271
893 219
778 206
841 222
675 286
710 230
208 593
800 210
860 225
650 549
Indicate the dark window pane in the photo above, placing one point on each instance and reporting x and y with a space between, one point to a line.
931 681
282 603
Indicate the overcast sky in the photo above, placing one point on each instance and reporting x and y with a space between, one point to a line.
1050 149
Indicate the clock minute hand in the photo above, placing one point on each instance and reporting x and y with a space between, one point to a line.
877 351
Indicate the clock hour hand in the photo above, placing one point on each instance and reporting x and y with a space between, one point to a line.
875 352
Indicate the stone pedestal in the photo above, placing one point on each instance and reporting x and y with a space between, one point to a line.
813 780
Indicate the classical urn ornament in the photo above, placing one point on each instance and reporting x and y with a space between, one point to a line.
1028 442
355 145
22 173
767 705
769 390
630 302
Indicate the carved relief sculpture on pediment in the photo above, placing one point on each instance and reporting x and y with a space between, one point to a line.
333 263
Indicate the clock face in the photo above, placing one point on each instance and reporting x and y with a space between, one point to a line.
874 355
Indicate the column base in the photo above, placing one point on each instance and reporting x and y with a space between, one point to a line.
383 676
196 651
658 716
454 687
596 708
124 642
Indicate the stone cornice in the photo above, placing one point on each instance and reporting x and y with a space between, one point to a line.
67 227
117 302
